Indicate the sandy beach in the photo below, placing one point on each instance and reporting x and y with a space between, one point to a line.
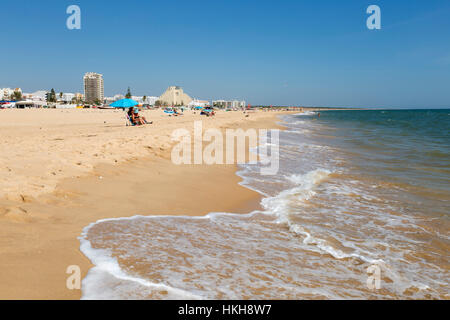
64 169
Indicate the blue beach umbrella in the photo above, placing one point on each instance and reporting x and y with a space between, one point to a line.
124 103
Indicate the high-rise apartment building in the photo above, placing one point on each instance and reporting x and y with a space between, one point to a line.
93 87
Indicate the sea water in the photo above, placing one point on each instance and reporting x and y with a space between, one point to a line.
355 189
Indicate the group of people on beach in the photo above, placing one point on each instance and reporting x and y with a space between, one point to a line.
208 112
176 113
135 118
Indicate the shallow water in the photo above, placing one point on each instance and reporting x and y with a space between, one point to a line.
355 189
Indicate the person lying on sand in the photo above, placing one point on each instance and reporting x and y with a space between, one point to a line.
208 112
176 113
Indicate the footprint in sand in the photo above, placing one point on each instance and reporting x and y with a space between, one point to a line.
16 214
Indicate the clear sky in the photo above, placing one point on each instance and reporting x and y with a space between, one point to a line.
317 53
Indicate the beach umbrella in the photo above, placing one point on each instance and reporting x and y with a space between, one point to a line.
124 103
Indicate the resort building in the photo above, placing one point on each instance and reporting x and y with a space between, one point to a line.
231 104
175 96
93 87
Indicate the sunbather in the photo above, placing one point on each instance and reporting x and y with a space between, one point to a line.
136 119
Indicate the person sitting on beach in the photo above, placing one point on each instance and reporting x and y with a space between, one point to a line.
136 119
130 113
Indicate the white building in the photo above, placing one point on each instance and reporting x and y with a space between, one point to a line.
151 100
29 104
229 104
109 100
8 93
65 98
68 97
198 103
138 99
148 100
5 93
37 96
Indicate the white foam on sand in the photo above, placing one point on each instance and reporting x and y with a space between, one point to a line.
108 281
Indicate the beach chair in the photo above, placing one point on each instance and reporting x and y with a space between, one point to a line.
129 121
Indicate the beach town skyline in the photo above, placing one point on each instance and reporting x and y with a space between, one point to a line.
75 97
93 93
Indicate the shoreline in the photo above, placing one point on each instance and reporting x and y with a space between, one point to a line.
41 234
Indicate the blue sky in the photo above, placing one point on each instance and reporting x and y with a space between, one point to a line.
317 53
